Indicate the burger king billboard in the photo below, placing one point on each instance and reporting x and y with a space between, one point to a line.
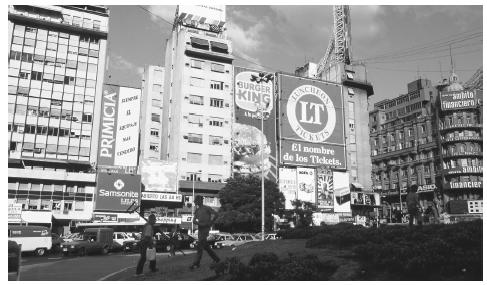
311 122
254 89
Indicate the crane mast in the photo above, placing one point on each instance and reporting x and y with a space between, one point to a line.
339 45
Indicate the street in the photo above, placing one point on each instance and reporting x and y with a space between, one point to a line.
74 268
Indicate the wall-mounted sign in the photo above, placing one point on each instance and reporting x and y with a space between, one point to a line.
14 213
464 184
465 169
158 175
247 133
306 179
166 197
325 189
105 218
119 126
288 185
116 192
166 220
365 198
454 100
341 181
309 154
186 218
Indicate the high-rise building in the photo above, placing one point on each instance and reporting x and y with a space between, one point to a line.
197 113
151 112
56 71
416 141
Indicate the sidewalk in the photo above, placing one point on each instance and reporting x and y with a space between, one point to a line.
177 268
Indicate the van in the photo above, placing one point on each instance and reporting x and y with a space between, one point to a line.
93 240
32 238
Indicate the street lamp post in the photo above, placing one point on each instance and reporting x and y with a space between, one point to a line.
192 204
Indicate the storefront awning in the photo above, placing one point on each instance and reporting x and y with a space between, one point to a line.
37 217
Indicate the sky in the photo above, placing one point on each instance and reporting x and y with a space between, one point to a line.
398 44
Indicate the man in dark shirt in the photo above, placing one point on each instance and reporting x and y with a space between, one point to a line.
203 219
147 241
414 207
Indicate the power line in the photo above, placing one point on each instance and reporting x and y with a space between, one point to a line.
155 15
411 70
423 58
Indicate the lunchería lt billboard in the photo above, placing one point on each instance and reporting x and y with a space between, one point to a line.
311 122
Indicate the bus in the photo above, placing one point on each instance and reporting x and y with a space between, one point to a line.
32 238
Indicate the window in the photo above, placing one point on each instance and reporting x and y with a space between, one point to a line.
194 157
195 119
68 206
87 118
217 67
215 140
216 102
154 132
79 206
195 138
15 55
154 147
197 63
215 178
218 85
156 102
216 122
193 176
197 82
215 159
156 117
196 100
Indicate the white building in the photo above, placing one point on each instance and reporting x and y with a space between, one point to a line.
197 113
151 112
56 72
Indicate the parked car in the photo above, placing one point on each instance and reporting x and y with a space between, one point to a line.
72 236
212 239
56 242
267 236
94 240
224 240
122 241
163 242
32 238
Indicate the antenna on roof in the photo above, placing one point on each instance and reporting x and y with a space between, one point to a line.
451 61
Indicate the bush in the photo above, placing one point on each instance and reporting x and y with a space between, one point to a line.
268 267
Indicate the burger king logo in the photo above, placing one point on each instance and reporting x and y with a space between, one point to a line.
250 94
311 113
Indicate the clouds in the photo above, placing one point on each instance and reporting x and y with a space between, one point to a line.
118 62
166 12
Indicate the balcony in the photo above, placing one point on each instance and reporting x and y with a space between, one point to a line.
462 153
460 126
208 54
395 153
464 170
462 138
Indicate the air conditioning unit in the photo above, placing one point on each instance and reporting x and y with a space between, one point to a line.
227 105
225 141
185 137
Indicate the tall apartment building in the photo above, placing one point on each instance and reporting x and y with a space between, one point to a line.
151 112
414 142
56 71
197 113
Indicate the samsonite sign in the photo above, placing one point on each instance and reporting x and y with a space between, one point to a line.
116 192
119 126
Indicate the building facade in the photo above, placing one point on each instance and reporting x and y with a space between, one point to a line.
151 112
414 142
56 71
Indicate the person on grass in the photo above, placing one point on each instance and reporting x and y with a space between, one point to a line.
147 241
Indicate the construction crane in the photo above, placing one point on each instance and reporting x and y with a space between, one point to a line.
340 43
475 82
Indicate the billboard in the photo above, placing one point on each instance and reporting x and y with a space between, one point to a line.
324 189
251 91
116 192
105 218
454 100
158 175
365 198
311 122
288 185
14 212
204 12
119 126
306 184
166 197
341 203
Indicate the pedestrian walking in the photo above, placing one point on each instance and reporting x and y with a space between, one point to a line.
204 217
175 241
414 207
146 242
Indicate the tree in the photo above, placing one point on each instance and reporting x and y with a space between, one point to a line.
241 204
304 212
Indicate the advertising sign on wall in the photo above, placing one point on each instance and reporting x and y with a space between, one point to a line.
288 185
341 203
364 198
105 218
14 213
311 122
167 197
116 192
158 175
210 12
253 89
306 184
324 189
119 126
454 100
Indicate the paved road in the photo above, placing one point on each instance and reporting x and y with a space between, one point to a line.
86 268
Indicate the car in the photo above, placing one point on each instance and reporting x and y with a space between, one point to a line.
94 240
224 240
122 241
56 242
72 236
211 239
163 241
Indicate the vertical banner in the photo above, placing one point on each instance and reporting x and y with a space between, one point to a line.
342 192
252 89
306 184
325 189
119 126
288 185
